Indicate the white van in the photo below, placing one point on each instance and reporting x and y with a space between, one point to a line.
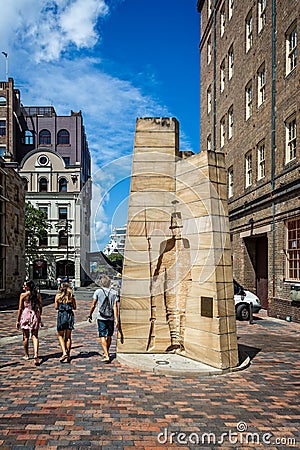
242 300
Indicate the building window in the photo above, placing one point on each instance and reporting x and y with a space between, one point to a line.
261 14
63 137
62 239
230 122
43 160
2 100
230 8
39 269
16 223
45 137
25 183
28 138
66 160
62 185
43 240
291 49
208 144
223 19
2 127
293 249
261 164
222 132
209 8
43 185
62 213
230 182
261 85
209 100
16 265
291 135
249 99
222 76
209 50
17 194
230 62
249 31
248 169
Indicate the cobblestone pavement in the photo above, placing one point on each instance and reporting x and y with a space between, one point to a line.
87 404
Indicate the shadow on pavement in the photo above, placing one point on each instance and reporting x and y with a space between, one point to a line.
245 351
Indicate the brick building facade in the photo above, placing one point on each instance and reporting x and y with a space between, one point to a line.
12 234
249 110
12 198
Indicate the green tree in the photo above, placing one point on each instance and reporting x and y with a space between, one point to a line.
116 260
36 227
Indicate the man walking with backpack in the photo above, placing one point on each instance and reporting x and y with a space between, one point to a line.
107 317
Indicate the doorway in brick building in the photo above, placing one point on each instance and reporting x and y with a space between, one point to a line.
261 270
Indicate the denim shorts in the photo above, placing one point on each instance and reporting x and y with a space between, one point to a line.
105 327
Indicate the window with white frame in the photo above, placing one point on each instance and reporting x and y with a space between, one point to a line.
209 99
222 132
230 8
222 76
209 8
223 19
249 31
291 136
209 50
249 99
248 171
261 164
230 182
230 122
261 14
291 49
230 62
293 249
208 143
261 84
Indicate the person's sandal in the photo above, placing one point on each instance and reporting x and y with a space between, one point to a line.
63 358
105 359
36 361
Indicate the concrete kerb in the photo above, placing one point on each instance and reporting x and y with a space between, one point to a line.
174 365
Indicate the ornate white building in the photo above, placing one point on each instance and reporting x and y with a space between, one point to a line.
55 188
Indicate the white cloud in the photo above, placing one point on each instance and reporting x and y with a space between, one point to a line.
51 27
78 21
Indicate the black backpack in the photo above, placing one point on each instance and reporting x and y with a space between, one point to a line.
106 310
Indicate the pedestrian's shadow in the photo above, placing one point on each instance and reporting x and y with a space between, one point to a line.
81 355
85 355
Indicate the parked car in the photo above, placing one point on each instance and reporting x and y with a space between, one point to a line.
242 300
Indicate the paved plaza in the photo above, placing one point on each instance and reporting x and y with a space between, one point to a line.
88 404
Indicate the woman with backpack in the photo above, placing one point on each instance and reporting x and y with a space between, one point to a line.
107 317
29 318
65 303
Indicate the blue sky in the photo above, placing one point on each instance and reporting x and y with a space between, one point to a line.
115 60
